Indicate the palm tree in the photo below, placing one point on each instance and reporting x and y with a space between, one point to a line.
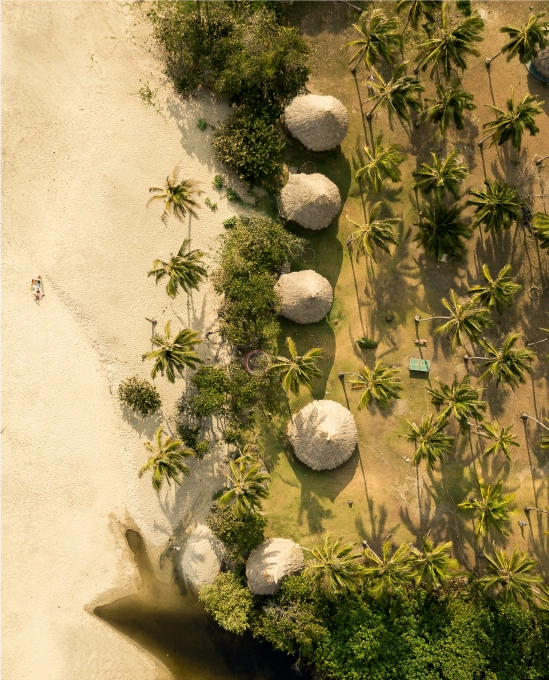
298 370
540 227
173 354
512 124
382 163
467 319
378 39
525 41
430 440
491 507
380 384
390 571
497 292
177 196
334 568
497 206
450 46
442 176
398 94
500 436
166 460
418 9
508 364
459 399
543 442
185 270
375 233
248 487
440 230
512 577
432 565
449 107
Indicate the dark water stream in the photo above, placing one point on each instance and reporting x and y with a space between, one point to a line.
175 628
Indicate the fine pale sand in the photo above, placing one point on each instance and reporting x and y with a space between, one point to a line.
80 151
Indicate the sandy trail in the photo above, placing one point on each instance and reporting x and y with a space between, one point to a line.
80 151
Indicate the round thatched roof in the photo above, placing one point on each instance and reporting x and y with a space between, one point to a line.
270 562
323 434
201 558
306 296
320 123
541 65
310 200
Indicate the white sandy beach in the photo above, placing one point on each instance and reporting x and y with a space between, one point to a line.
80 151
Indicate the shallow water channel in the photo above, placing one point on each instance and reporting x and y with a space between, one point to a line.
173 626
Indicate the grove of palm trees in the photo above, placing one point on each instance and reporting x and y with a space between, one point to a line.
438 265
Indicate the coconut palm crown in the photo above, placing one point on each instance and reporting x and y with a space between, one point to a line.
441 176
335 568
389 571
507 364
184 270
430 440
174 354
166 460
379 39
375 233
433 565
177 196
381 384
491 508
501 437
417 10
440 231
449 107
525 42
382 163
247 486
512 579
497 206
459 399
496 292
511 123
297 371
466 320
447 49
540 227
398 94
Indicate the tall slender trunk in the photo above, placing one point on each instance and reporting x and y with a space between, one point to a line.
430 318
525 416
484 139
489 61
371 113
343 2
540 160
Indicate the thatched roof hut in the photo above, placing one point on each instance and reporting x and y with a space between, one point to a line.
270 562
319 122
539 67
310 200
323 434
306 296
202 557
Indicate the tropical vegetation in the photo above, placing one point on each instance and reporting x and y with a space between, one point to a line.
380 384
381 163
297 371
184 270
174 354
166 460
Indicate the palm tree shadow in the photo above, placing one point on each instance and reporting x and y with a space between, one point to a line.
147 425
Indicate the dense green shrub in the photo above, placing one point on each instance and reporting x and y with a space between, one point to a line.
251 257
251 146
229 601
239 535
140 395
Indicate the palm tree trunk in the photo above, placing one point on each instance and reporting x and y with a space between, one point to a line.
540 160
537 342
525 416
371 113
417 319
484 139
354 68
489 61
467 358
342 375
357 9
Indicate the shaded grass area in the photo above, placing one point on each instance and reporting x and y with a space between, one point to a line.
388 499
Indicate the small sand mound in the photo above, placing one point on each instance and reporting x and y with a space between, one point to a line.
310 200
306 296
270 562
202 558
319 122
323 434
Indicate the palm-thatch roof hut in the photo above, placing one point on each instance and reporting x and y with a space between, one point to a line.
310 200
323 434
202 557
539 67
270 562
319 122
306 296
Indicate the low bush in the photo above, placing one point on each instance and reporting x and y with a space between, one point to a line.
239 535
229 602
251 146
140 395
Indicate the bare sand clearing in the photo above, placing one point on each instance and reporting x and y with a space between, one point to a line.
80 151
